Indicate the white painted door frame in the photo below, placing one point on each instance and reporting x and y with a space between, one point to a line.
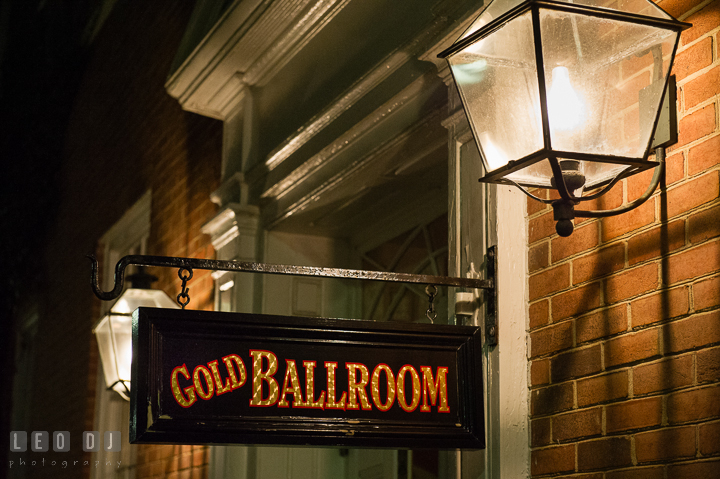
480 216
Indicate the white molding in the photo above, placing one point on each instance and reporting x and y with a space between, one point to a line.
251 42
500 210
514 400
356 170
228 224
304 28
458 122
431 55
415 90
353 95
131 227
330 114
127 236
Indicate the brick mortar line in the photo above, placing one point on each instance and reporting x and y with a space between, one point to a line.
715 167
683 217
685 46
603 341
683 112
636 231
686 248
694 10
537 213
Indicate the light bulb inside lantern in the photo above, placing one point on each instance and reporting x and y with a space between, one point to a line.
565 107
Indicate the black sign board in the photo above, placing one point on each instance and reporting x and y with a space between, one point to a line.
203 377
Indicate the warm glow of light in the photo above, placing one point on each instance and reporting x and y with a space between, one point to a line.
565 107
494 156
124 360
122 306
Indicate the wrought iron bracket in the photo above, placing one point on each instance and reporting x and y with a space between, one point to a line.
488 284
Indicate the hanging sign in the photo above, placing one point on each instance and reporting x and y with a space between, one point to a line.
203 377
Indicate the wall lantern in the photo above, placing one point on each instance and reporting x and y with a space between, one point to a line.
566 95
114 331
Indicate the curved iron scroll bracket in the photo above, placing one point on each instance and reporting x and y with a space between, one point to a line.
657 175
564 209
238 266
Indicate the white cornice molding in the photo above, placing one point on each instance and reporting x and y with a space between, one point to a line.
330 114
251 42
226 225
431 55
353 95
357 169
458 123
416 89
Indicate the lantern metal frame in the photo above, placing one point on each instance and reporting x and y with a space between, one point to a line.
565 206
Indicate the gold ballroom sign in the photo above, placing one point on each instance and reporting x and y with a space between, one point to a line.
229 378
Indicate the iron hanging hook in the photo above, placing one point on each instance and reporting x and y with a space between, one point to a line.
119 278
184 289
431 291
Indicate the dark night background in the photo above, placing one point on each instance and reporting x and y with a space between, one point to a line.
43 46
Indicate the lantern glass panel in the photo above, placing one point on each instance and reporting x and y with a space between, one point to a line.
497 80
107 350
594 71
114 334
122 335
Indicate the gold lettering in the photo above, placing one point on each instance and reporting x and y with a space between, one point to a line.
291 385
375 387
416 393
219 388
234 381
189 391
259 376
357 388
331 402
208 380
310 386
433 388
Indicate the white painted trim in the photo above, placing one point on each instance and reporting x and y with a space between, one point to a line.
514 430
417 90
250 43
228 223
502 214
355 93
331 113
134 224
347 175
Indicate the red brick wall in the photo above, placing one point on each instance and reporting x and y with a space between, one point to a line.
625 313
126 135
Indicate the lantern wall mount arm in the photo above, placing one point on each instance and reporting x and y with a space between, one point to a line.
488 285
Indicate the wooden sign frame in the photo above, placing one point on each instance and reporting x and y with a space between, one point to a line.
201 377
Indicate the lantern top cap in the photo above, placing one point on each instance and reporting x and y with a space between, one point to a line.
497 8
499 11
